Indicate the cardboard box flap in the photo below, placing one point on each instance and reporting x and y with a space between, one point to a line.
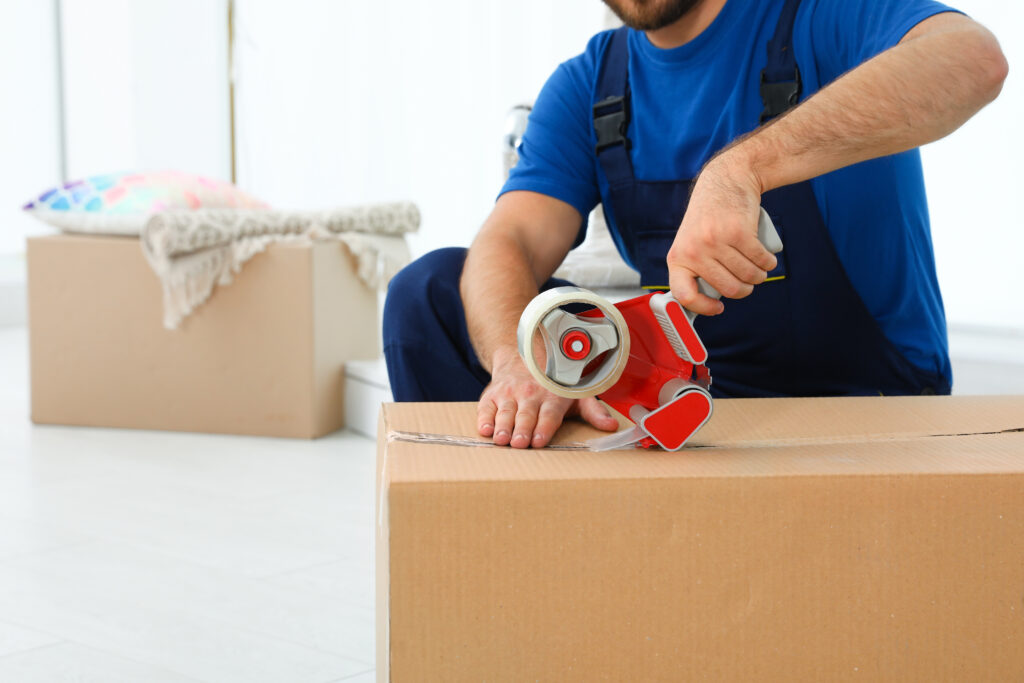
745 437
792 421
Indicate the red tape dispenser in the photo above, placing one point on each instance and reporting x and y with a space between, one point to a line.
641 356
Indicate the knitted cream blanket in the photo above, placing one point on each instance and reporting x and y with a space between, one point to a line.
194 251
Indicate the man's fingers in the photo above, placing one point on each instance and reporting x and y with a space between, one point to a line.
549 419
596 414
751 248
504 421
728 285
485 411
701 304
684 289
526 420
743 268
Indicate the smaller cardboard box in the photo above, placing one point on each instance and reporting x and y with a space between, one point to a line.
833 539
263 356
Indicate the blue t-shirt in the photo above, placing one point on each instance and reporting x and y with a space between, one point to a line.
689 102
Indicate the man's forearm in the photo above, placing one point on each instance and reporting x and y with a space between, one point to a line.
522 242
497 284
944 71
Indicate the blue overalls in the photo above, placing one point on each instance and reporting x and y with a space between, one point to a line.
804 332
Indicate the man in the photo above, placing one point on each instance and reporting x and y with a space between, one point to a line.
813 109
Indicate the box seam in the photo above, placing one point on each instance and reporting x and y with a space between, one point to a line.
733 477
472 442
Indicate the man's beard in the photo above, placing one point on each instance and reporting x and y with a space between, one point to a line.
649 15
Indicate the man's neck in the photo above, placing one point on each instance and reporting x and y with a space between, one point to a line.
688 26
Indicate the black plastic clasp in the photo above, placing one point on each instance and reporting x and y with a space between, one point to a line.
610 119
779 97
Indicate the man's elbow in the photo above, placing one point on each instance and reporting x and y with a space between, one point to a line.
989 67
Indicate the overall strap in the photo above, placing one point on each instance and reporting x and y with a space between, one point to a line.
611 110
780 79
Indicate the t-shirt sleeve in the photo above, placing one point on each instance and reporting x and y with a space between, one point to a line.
847 33
555 156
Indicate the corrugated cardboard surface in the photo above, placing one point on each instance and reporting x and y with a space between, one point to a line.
804 539
263 356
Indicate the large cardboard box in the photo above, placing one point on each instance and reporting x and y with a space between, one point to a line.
861 539
263 356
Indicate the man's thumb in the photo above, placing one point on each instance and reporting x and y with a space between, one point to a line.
596 414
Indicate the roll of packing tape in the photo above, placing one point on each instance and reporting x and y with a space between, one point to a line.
601 378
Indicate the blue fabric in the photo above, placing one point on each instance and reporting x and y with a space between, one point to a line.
426 342
781 64
691 101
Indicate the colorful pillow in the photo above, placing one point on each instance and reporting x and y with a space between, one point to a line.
121 203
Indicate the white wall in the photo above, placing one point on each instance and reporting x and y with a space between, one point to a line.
146 86
348 102
29 120
975 180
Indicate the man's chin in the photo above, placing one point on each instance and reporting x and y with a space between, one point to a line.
650 15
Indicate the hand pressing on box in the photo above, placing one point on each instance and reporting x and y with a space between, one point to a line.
518 412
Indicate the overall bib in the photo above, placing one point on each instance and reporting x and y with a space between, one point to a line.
805 331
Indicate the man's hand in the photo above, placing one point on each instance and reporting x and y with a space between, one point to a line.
523 241
718 239
518 412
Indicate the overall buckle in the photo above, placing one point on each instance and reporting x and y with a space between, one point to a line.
780 96
610 119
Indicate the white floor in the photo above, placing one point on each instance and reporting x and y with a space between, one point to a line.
130 556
